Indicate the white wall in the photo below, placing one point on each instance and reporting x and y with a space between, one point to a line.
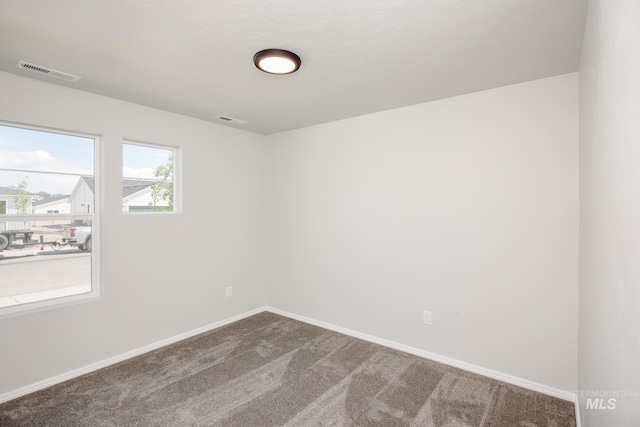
62 206
162 274
467 207
82 199
609 350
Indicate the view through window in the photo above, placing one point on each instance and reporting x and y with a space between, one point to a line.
148 183
48 224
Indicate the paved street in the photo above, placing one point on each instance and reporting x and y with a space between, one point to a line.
29 271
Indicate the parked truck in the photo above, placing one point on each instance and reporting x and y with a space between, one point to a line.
79 236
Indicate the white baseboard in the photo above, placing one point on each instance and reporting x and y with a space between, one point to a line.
551 391
121 357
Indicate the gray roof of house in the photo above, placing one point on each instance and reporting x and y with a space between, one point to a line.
49 199
12 191
129 185
91 182
9 191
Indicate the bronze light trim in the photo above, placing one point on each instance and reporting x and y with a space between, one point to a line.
277 61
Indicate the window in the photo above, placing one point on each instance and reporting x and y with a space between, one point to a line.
148 183
48 221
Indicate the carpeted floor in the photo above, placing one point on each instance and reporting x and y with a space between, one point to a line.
268 370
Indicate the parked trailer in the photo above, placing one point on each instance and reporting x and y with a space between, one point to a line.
19 239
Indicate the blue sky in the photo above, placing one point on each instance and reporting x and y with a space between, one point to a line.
141 162
29 150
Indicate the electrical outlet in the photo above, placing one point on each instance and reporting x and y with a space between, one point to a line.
229 291
426 317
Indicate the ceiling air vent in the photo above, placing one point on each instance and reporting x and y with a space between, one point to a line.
48 71
230 120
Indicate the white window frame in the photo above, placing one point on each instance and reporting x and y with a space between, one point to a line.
177 171
96 285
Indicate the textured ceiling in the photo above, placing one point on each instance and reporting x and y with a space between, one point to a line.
194 57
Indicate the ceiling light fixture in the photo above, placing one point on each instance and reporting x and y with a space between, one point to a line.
277 61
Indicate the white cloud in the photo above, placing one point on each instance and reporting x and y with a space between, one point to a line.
41 161
52 184
38 160
146 173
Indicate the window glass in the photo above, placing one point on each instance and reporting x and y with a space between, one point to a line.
47 218
148 183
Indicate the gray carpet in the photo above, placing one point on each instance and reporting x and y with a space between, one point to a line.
268 370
